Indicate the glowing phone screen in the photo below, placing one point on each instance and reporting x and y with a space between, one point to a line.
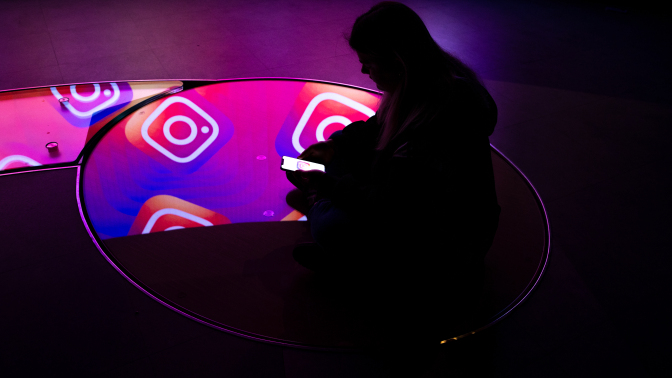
291 164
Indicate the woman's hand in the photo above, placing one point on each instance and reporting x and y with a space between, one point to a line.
320 152
305 180
311 181
310 178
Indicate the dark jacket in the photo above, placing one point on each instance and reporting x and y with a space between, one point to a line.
431 190
425 212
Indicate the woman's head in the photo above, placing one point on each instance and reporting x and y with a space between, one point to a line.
388 40
387 74
401 57
392 36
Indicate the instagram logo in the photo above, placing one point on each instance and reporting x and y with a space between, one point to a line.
17 161
85 104
303 166
320 110
181 132
166 213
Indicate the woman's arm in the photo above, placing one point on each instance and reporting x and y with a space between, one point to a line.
351 147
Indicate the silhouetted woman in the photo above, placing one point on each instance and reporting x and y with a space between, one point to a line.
408 200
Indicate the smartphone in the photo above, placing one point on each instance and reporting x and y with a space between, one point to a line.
291 164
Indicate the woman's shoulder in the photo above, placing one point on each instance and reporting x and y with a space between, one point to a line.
357 136
362 128
470 90
469 108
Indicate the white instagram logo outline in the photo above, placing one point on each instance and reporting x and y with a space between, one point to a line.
302 166
329 120
170 211
94 96
163 150
12 158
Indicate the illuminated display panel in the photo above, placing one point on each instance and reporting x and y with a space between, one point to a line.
211 155
51 125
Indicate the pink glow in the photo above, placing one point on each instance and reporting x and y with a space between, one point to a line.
29 123
34 117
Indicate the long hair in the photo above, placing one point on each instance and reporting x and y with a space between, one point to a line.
393 32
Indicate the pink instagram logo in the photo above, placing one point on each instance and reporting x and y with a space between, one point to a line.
182 132
85 104
319 130
320 110
166 213
303 166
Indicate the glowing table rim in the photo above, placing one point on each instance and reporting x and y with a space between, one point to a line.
79 188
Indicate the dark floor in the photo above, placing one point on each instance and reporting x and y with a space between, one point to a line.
585 112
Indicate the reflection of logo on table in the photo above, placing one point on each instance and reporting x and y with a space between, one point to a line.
166 213
319 111
85 104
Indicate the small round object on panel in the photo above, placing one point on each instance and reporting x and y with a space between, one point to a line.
52 146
